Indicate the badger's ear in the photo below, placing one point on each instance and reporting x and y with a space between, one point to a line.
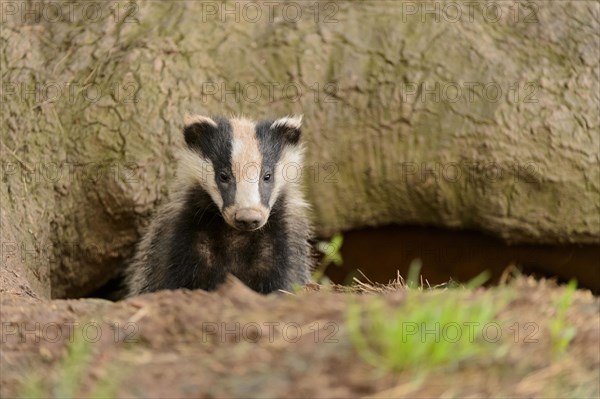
195 126
289 128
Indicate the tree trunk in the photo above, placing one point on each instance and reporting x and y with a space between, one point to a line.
451 114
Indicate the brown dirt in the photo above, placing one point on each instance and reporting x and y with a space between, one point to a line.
164 345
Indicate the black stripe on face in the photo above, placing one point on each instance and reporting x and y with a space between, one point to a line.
215 144
271 146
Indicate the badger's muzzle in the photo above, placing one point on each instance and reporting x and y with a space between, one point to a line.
249 219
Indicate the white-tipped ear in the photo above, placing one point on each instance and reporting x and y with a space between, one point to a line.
289 122
189 119
196 127
288 128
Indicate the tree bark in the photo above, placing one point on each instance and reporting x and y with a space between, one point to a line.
445 113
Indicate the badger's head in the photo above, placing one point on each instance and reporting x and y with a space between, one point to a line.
243 165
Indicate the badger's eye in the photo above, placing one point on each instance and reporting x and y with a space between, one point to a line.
267 177
223 177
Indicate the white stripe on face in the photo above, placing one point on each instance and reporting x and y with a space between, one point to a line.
287 171
193 169
247 162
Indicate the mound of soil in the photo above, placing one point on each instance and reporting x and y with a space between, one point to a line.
236 343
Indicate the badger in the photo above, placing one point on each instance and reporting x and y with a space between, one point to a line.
236 207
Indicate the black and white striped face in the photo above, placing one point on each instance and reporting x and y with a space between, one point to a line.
241 164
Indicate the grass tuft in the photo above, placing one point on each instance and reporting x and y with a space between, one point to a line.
70 376
561 334
427 331
331 251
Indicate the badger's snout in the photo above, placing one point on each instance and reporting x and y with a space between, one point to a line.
249 219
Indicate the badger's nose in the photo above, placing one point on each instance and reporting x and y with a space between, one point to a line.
248 219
